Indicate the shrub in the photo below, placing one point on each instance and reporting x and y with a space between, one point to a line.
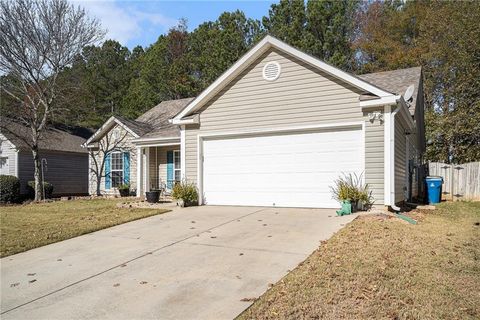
124 187
9 189
31 190
351 187
186 191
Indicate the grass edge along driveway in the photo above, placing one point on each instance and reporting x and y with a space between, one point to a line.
384 268
24 227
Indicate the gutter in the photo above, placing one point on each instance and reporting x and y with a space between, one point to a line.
154 139
193 120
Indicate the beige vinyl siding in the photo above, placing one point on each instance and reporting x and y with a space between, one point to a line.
301 96
374 158
126 146
400 161
66 171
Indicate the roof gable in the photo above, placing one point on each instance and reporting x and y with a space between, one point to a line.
259 49
152 124
132 127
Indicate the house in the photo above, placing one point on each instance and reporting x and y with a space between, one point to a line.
65 162
278 127
151 139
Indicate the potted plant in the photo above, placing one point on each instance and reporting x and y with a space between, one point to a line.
124 190
152 196
185 193
351 188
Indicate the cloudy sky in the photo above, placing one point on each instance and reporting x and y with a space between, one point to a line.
136 22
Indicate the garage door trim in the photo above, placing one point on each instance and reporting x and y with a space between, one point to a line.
266 131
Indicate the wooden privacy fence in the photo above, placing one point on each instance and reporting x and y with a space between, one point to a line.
460 181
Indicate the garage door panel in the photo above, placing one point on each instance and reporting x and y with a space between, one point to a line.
318 184
283 170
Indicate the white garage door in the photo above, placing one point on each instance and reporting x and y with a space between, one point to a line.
285 170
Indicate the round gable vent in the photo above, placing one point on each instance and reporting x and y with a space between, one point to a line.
271 71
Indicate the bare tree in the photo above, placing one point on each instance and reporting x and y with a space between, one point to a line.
38 39
99 151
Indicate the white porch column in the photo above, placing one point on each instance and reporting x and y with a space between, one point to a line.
182 152
139 172
147 169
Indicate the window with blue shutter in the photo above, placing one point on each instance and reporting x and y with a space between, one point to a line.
108 178
126 168
170 170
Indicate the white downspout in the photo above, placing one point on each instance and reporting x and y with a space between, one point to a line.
16 163
392 159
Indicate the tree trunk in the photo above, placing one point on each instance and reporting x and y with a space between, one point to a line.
99 181
37 173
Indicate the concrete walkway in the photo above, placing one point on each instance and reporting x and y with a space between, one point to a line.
191 263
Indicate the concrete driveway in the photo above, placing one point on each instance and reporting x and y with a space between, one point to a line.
190 263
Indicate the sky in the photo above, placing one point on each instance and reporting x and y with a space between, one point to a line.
140 22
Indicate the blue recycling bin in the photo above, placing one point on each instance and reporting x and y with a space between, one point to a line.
434 189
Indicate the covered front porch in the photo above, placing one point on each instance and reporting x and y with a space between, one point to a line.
159 168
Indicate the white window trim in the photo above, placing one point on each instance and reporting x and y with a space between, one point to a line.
116 170
175 169
6 166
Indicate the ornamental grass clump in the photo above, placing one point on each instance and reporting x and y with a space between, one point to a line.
186 192
351 187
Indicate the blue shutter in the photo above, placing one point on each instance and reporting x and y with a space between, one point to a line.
126 168
169 169
108 178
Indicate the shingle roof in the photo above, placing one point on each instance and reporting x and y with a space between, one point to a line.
157 118
140 128
397 81
53 139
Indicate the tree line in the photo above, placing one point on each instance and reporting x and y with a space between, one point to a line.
359 37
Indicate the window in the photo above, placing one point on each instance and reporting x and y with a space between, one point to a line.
117 169
4 165
176 166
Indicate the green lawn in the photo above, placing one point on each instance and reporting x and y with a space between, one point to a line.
25 227
383 268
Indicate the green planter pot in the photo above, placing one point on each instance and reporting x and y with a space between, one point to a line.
346 208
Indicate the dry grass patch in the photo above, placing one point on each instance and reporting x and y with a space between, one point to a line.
33 225
384 268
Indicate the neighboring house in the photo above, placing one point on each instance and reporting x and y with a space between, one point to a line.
279 126
65 161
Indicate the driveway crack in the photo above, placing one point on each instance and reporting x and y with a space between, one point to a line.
249 249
